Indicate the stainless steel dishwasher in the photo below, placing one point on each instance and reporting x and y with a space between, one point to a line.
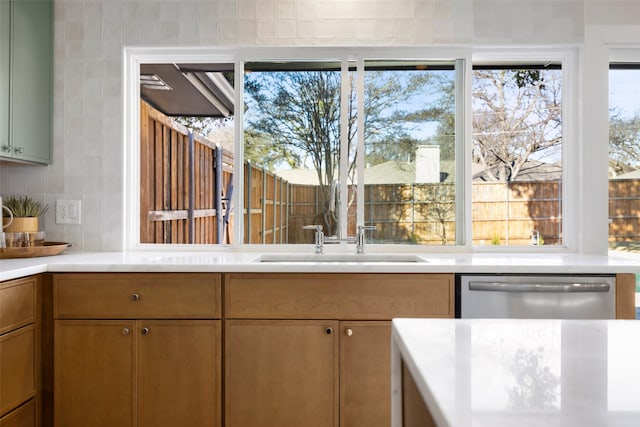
537 296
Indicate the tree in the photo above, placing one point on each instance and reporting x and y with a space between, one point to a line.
202 125
441 208
624 140
517 117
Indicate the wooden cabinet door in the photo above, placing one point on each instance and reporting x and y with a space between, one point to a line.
17 368
24 416
365 374
179 365
281 373
94 366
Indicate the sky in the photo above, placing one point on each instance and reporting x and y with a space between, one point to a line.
624 91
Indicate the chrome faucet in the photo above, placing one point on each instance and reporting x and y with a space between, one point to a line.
319 237
360 237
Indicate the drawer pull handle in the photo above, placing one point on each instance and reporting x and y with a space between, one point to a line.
348 332
125 331
145 331
135 297
328 330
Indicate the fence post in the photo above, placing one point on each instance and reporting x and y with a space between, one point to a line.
192 189
275 207
218 193
507 201
287 211
264 206
248 185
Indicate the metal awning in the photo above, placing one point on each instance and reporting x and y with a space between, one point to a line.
200 90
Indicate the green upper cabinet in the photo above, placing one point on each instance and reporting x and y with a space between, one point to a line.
5 37
26 47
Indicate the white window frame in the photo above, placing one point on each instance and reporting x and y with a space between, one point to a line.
134 56
602 44
567 57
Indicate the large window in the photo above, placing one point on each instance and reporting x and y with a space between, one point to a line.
241 148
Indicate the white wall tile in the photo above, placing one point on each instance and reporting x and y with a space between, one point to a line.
168 32
89 35
266 9
286 9
74 11
93 11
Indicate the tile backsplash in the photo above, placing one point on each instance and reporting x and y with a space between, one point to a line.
89 36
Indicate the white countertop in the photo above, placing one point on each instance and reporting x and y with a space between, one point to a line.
229 261
505 373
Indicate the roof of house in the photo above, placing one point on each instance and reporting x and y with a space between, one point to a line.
402 172
390 172
629 175
532 170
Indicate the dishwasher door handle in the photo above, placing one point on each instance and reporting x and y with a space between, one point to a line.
539 287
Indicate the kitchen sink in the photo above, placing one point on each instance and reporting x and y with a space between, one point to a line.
339 258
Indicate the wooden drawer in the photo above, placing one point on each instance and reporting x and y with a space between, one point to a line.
17 368
338 296
17 303
24 416
136 296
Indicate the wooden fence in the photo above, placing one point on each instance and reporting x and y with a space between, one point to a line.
507 213
503 213
185 184
624 210
266 205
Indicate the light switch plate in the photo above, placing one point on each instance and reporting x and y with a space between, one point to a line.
67 211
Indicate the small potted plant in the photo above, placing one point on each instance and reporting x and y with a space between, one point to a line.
26 211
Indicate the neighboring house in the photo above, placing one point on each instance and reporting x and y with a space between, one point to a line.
403 172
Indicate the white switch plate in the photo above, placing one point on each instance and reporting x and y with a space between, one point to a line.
67 211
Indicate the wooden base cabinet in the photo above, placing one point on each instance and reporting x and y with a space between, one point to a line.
288 372
333 367
136 373
140 367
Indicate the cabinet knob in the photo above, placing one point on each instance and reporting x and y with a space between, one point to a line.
328 330
125 331
135 297
145 331
18 150
348 332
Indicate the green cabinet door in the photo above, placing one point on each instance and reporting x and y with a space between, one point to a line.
5 43
31 80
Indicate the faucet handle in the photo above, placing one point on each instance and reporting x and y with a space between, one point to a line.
312 227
